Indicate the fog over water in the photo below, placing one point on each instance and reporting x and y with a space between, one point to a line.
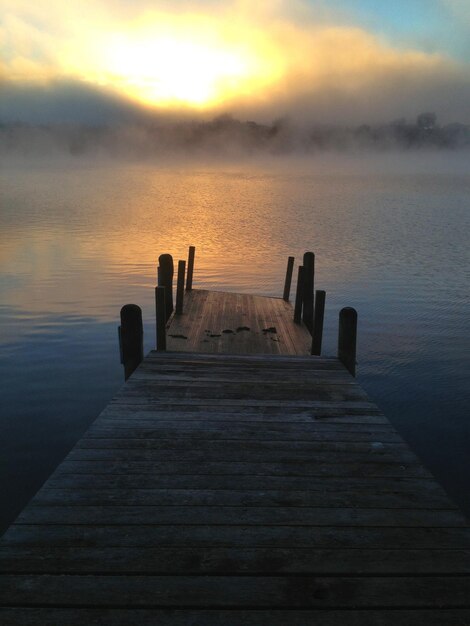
228 137
80 236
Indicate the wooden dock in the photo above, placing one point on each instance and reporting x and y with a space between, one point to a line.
235 323
237 480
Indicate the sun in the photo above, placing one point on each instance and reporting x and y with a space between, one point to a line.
169 71
191 63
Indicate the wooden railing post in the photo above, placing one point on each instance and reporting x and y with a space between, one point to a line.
160 310
288 281
347 336
166 280
180 287
131 335
308 287
319 315
299 295
189 277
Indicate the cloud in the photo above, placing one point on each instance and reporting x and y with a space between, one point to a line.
340 73
64 102
261 60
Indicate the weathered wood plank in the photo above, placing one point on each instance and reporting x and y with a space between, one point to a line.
256 426
249 405
231 560
221 362
322 485
162 443
351 417
214 617
191 355
312 408
296 426
234 536
241 432
226 377
227 515
240 468
369 498
178 360
143 392
323 453
243 591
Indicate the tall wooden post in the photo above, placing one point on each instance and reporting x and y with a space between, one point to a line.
189 277
160 310
180 287
288 281
299 295
308 284
347 336
166 280
319 315
131 334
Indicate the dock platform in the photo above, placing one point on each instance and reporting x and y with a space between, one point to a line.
237 480
237 323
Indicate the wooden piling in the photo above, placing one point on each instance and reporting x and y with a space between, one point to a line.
132 338
319 315
347 335
189 277
299 295
180 287
308 290
160 310
166 280
288 281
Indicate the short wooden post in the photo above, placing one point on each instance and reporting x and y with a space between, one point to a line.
347 336
319 315
189 277
166 280
288 281
308 284
132 338
299 295
160 310
180 287
158 276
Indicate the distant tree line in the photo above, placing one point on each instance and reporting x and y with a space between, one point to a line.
226 134
424 132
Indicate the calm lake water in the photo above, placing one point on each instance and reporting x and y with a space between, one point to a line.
78 240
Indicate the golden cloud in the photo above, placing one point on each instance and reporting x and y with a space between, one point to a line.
208 59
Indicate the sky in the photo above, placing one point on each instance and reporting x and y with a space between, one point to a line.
314 61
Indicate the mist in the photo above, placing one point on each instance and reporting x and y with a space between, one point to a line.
228 137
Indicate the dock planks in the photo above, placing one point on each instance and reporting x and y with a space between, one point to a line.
236 323
238 482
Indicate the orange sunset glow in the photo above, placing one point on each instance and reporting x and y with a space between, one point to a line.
187 61
273 57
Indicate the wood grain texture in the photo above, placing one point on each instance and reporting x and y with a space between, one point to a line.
238 489
248 322
234 617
